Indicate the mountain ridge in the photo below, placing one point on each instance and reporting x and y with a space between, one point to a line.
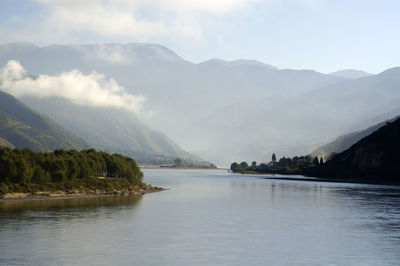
374 158
238 62
109 129
191 102
25 128
350 73
344 142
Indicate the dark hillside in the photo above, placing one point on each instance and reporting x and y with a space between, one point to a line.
375 158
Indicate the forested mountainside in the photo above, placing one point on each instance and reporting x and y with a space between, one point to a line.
375 157
22 127
344 142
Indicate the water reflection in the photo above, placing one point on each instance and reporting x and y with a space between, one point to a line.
209 217
378 205
358 208
64 208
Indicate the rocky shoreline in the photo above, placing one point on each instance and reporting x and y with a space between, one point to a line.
50 195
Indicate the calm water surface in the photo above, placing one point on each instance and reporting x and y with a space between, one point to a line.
209 217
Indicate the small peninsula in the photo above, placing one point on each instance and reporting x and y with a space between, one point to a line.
37 175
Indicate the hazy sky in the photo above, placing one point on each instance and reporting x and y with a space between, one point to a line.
325 35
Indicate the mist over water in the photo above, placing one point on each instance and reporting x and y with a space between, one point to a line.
209 217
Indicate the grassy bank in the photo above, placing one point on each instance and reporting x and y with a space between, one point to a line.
84 187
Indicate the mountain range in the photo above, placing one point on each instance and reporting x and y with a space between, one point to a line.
296 124
220 110
178 92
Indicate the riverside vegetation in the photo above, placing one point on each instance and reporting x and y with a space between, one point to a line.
373 159
295 165
87 171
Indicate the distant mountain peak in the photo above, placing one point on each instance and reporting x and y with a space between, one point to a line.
105 52
238 62
129 50
351 73
390 71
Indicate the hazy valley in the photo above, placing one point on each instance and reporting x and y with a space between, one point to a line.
264 109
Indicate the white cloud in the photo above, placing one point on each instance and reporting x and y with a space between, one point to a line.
208 6
138 19
89 90
175 6
106 18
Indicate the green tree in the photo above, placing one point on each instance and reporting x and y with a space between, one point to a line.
23 166
40 176
8 169
73 168
178 162
234 167
273 158
243 166
24 172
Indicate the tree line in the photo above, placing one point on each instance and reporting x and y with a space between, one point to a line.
24 166
295 165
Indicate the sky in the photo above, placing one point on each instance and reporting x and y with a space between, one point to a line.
325 35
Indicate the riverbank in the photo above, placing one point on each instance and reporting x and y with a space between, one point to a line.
180 167
45 195
297 177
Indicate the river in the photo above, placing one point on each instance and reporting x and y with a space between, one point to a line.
209 217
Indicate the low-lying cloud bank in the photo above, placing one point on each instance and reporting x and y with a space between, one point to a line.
93 90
